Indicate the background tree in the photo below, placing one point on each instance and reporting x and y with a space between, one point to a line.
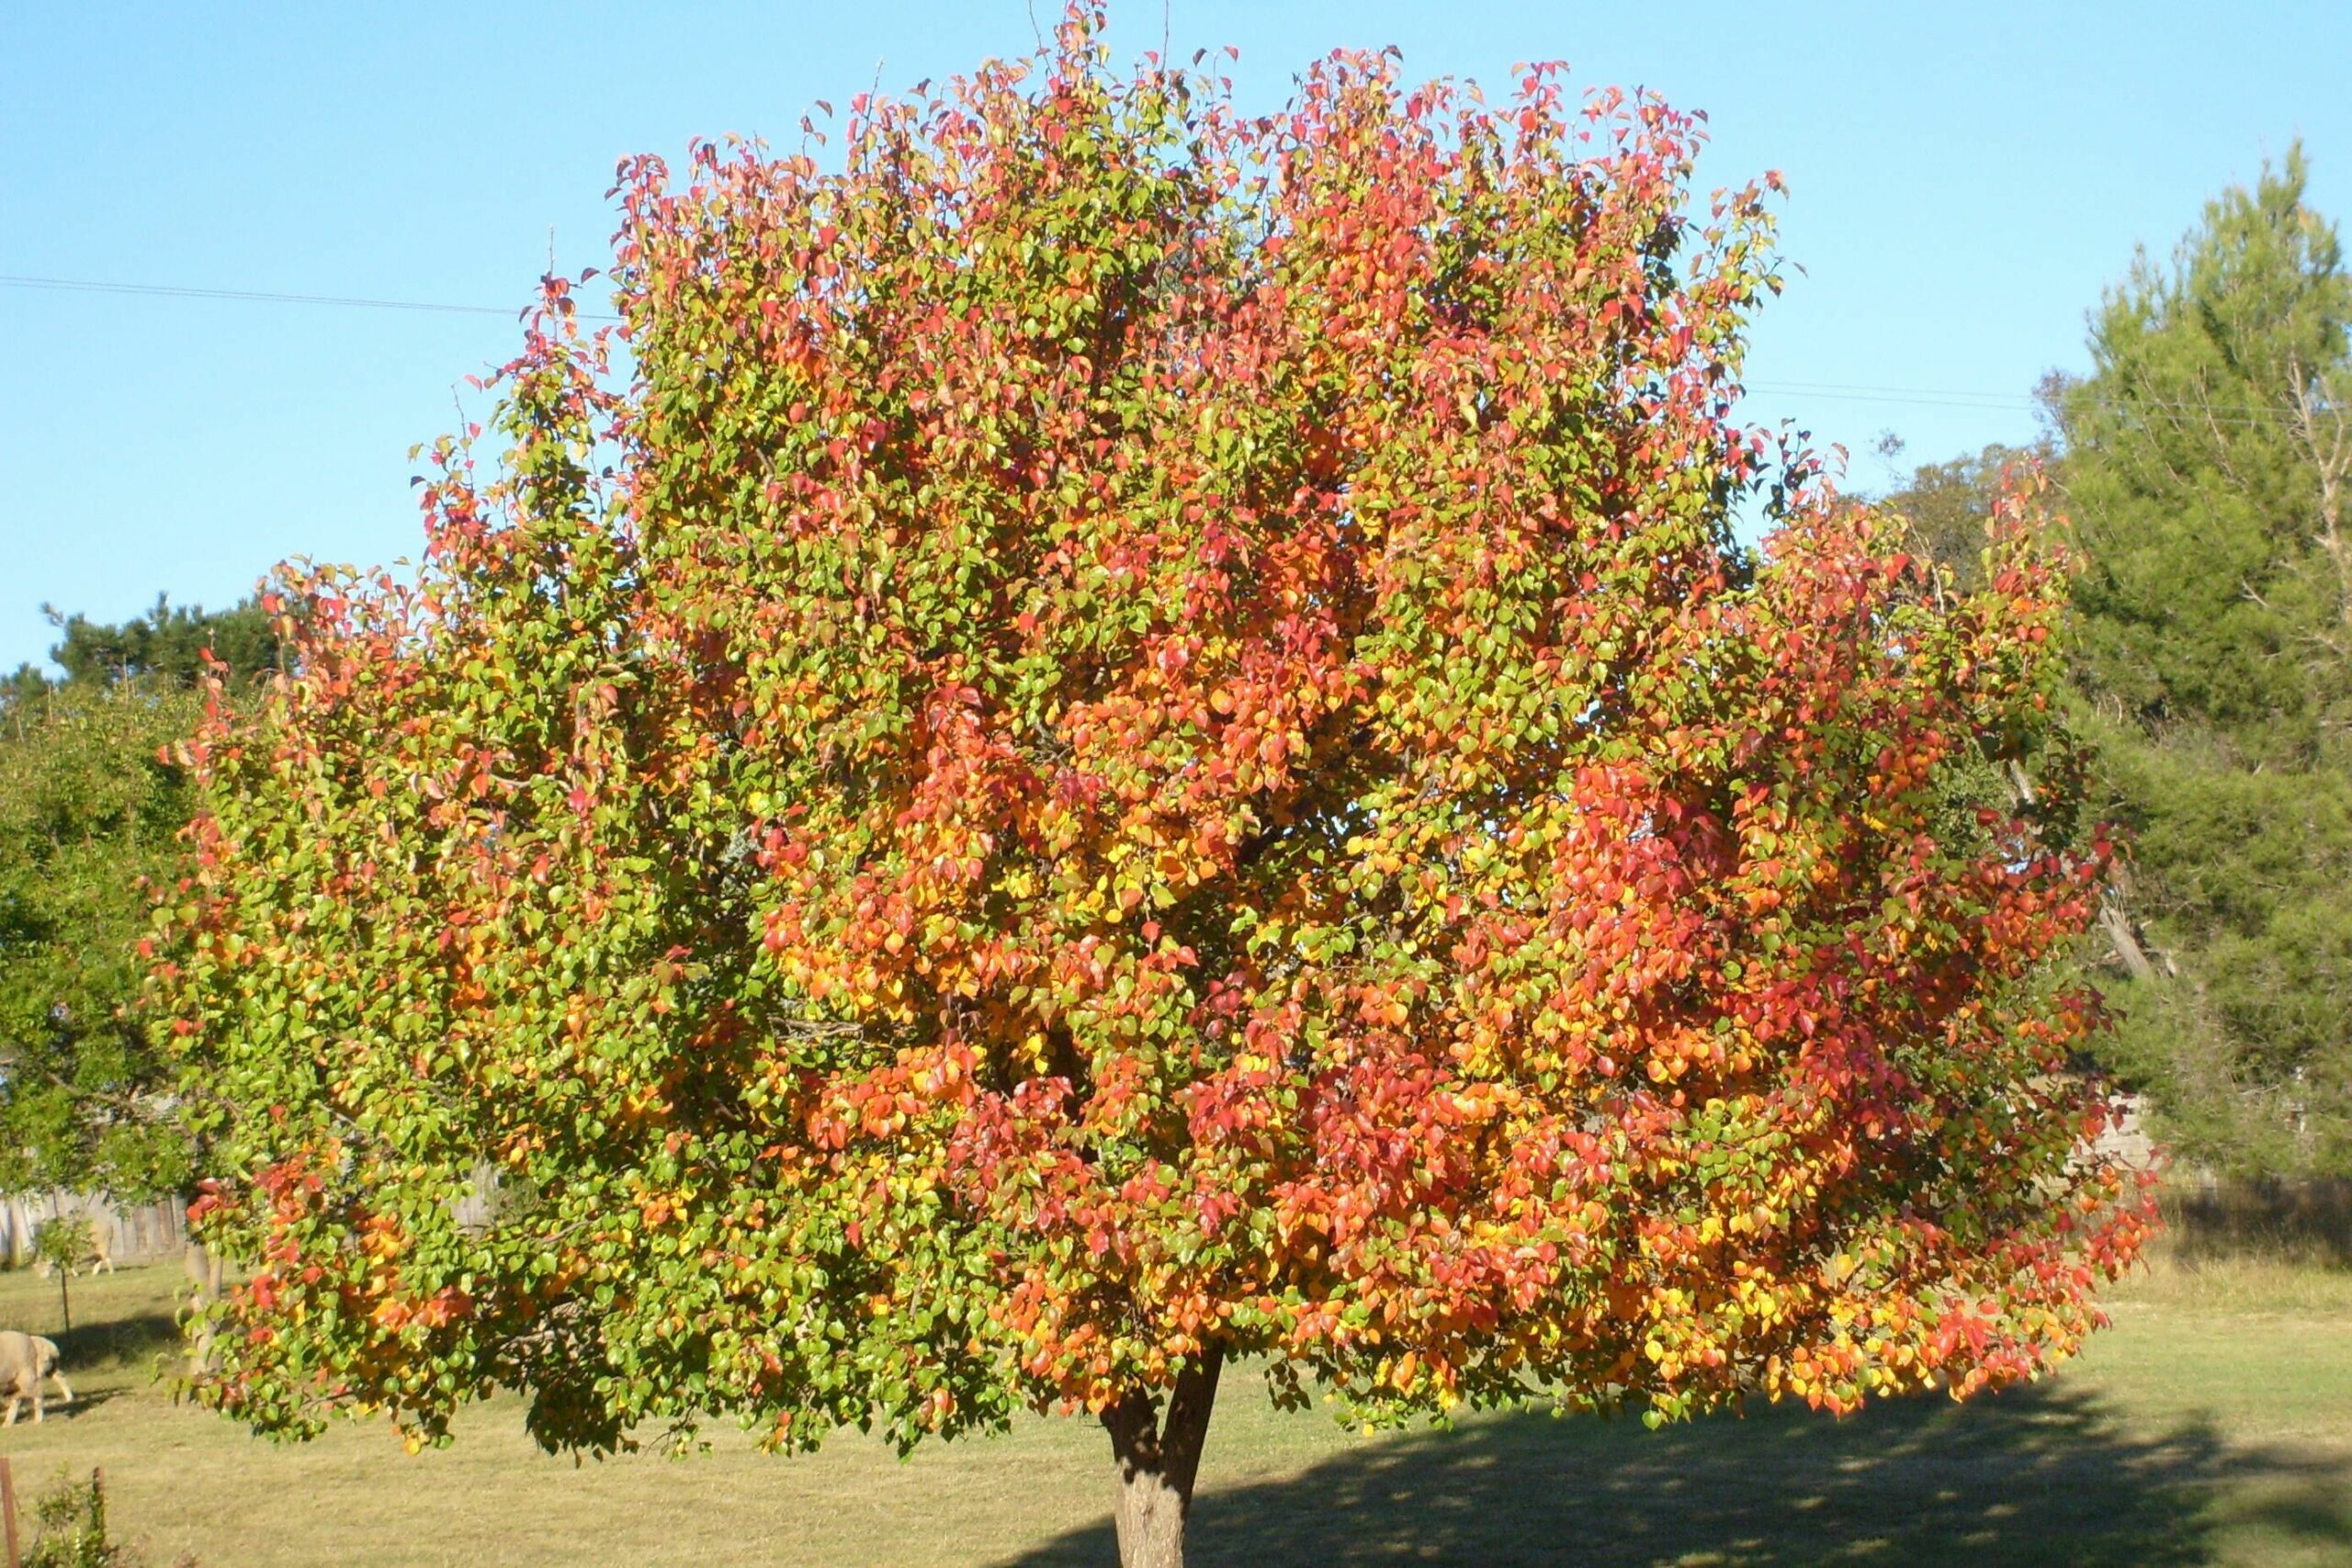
65 1244
1139 739
1949 506
2208 454
90 811
168 645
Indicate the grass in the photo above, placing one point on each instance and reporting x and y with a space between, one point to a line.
2212 1424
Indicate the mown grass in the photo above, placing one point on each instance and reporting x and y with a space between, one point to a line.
2212 1424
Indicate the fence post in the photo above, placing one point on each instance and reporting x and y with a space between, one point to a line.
9 1512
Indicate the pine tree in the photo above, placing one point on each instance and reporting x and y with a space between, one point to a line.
2208 456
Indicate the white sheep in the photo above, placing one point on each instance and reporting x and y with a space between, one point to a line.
100 1260
25 1360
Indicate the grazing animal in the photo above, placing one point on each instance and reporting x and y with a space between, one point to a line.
98 1259
25 1360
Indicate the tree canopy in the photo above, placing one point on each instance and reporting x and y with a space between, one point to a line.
1948 506
90 813
1137 736
167 644
2208 454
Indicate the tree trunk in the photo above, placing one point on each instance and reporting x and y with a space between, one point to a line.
203 1268
1157 1462
2126 943
202 1265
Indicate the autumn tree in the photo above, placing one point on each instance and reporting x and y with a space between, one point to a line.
1137 736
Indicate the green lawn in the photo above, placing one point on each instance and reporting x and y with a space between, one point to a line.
2212 1425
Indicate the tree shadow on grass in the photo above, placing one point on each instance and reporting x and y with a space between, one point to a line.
120 1341
2036 1476
2310 1219
83 1402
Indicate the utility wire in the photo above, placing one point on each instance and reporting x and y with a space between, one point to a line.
1998 402
1993 402
1924 397
260 296
1839 388
2227 413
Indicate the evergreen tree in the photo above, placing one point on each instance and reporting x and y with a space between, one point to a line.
2207 459
167 644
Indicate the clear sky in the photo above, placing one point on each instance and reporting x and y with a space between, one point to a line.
1965 178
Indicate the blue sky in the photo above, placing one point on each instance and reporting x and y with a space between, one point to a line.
1964 180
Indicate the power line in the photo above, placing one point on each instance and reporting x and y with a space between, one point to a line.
2228 413
1995 402
1843 389
1923 397
263 297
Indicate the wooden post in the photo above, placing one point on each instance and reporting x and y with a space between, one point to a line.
8 1513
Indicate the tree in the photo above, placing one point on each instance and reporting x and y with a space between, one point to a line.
1138 737
2208 461
64 1243
71 1515
1949 506
91 810
168 645
90 814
